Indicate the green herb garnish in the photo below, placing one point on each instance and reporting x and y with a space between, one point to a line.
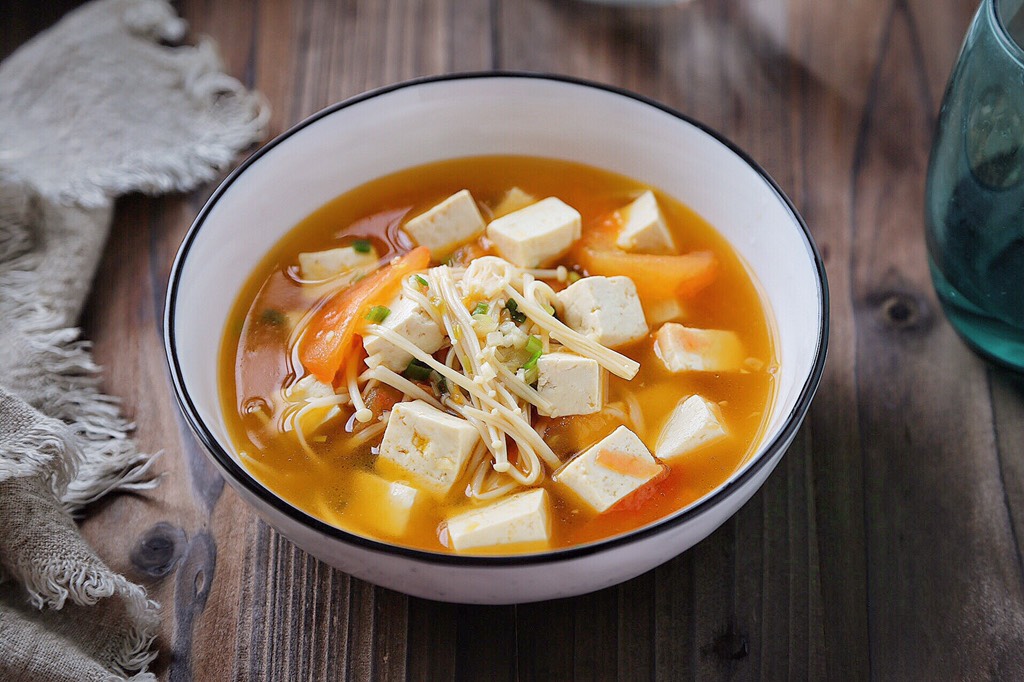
362 246
422 281
535 348
417 371
513 310
378 313
480 309
274 317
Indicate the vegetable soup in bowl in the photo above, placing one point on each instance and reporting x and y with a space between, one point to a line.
496 338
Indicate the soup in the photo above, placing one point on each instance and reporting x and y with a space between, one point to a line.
497 355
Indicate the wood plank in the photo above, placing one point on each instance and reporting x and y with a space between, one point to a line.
22 20
635 628
832 52
595 636
432 640
675 644
485 646
544 636
1007 390
932 479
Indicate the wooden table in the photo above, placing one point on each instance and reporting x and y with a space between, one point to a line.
885 544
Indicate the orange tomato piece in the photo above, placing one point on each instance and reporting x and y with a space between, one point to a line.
639 498
626 464
382 398
685 275
332 331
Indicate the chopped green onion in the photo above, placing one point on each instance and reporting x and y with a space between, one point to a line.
422 281
362 246
481 309
274 317
573 276
417 371
531 375
534 345
378 313
535 348
513 310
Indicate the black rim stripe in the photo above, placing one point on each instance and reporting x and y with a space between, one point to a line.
243 478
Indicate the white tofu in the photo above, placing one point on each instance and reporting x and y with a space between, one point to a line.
589 477
429 445
663 310
572 383
535 235
411 321
643 227
316 265
307 389
605 308
694 423
686 349
384 506
453 222
517 519
513 200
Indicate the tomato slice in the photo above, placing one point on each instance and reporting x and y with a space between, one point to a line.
331 334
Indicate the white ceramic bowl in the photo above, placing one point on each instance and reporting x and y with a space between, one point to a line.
426 120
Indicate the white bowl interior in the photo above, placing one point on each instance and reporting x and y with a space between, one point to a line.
494 115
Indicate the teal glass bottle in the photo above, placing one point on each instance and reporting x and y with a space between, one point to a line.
974 198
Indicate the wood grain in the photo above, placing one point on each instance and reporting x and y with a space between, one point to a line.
887 543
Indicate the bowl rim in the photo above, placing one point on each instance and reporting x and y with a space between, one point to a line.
242 477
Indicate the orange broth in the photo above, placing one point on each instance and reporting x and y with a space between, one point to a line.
256 363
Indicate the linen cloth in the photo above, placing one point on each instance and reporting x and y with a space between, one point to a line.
99 105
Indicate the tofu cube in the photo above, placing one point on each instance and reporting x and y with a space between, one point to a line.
513 200
694 423
610 470
411 321
571 383
430 446
686 349
536 235
453 222
643 227
308 389
518 519
383 506
605 308
317 265
663 310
